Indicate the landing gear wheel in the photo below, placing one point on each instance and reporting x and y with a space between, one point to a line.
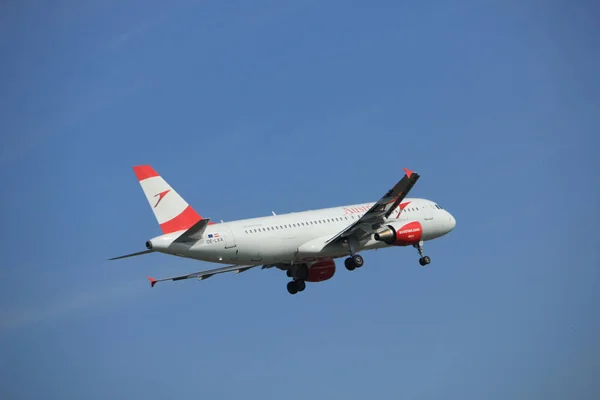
358 260
289 273
349 263
424 260
301 285
292 287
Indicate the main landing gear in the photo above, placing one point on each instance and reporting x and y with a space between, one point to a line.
299 273
356 261
296 286
424 260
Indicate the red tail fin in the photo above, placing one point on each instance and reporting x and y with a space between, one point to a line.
172 212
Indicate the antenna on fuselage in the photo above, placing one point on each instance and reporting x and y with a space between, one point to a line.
273 212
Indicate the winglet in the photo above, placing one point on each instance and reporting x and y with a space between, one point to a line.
152 281
408 172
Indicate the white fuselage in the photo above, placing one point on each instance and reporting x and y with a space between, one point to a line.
299 237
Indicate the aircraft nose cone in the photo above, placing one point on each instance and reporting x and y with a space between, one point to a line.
452 221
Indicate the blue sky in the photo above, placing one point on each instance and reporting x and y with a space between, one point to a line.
249 107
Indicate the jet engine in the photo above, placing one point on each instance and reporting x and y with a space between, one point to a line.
406 235
321 271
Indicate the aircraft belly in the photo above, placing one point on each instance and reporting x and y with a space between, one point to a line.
318 248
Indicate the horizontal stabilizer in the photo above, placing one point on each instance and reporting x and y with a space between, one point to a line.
203 274
140 253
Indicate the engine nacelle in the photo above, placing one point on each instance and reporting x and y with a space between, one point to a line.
406 235
321 271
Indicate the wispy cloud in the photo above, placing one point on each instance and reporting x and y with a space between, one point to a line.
99 296
130 34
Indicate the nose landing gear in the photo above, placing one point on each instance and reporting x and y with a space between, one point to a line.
424 260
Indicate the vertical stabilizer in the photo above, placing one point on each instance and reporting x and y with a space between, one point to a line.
172 212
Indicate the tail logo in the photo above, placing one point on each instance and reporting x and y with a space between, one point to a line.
160 196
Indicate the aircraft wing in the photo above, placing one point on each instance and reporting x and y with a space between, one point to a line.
203 274
383 208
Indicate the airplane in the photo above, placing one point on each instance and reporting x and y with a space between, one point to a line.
304 244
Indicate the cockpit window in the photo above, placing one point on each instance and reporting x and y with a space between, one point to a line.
439 207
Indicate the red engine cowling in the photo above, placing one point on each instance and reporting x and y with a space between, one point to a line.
406 235
321 271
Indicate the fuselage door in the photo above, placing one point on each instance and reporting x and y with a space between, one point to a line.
229 238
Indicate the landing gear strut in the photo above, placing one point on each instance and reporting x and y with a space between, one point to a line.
424 260
356 261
